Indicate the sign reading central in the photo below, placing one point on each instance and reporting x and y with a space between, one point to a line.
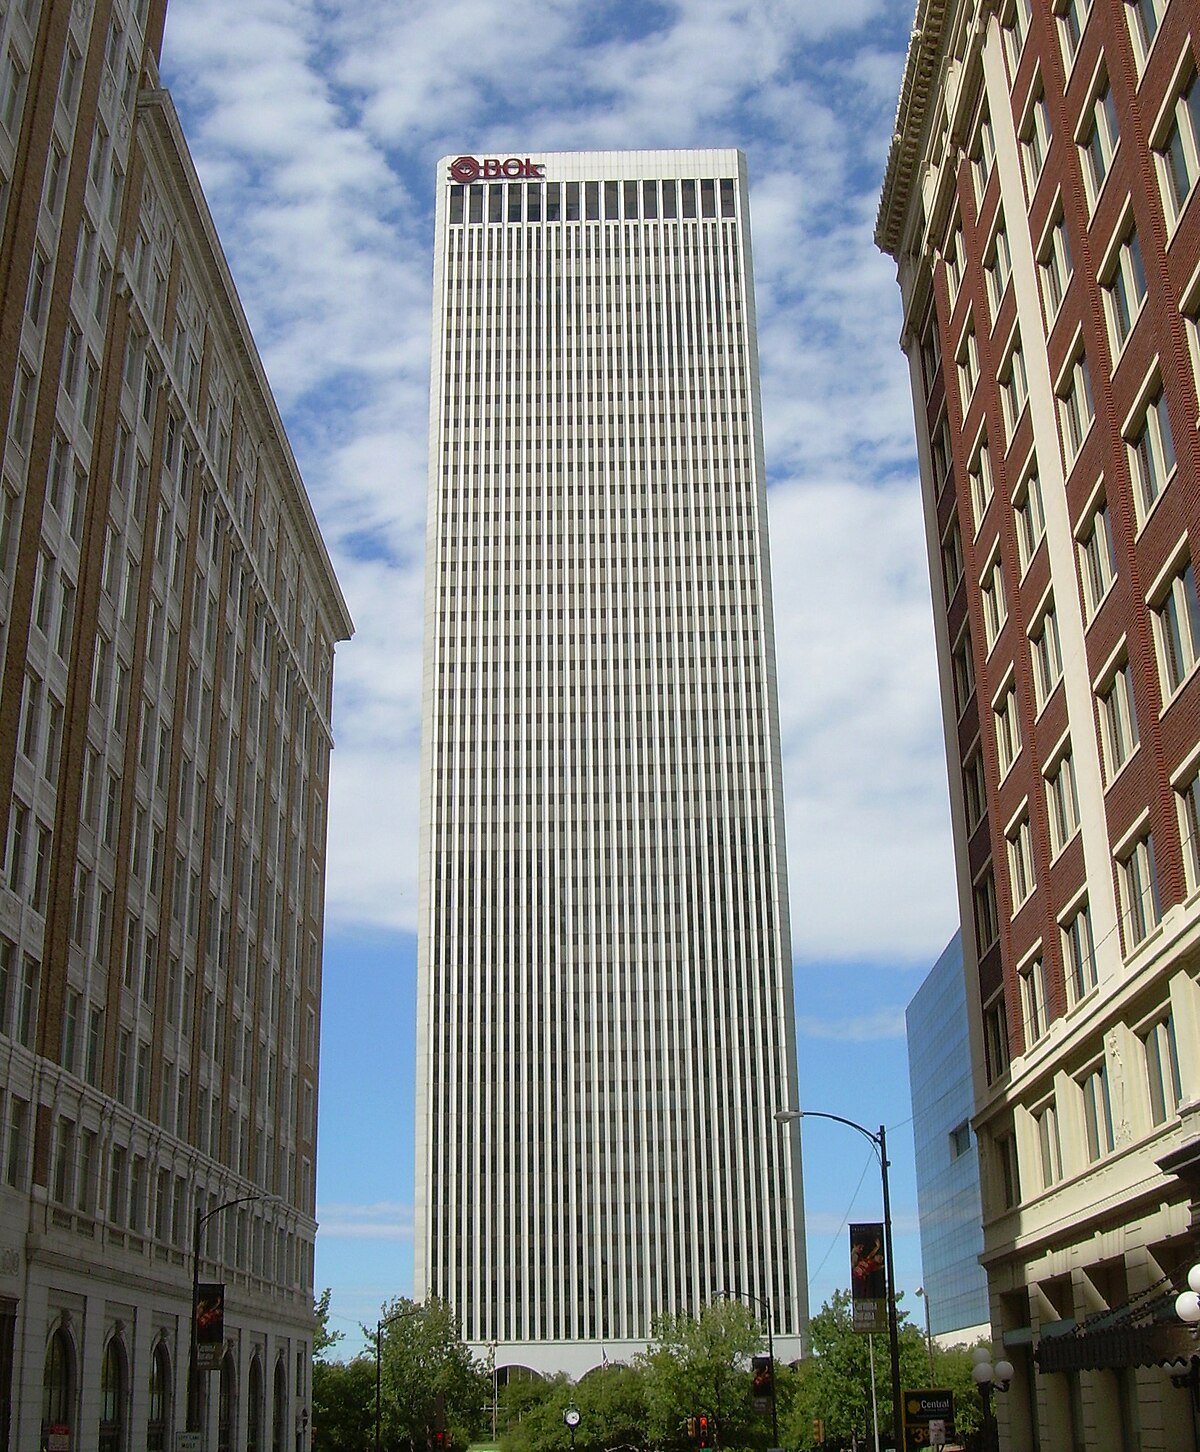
515 168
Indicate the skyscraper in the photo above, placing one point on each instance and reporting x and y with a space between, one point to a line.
1042 201
167 620
605 975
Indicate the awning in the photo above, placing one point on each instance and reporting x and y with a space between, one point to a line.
1143 1332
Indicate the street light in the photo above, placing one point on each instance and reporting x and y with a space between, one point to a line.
379 1329
924 1295
986 1377
193 1417
1185 1372
766 1306
879 1143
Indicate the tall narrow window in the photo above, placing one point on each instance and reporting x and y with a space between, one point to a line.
1151 450
1177 629
1123 282
1098 139
1137 877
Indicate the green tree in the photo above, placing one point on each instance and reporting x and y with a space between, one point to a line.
323 1338
701 1366
428 1378
834 1384
343 1394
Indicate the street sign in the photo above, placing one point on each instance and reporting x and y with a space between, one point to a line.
925 1411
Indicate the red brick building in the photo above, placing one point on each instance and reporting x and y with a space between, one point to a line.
1042 201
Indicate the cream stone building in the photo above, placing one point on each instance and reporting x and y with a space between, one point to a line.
167 620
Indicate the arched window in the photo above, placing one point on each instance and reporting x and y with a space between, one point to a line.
279 1410
58 1388
227 1405
158 1419
112 1399
254 1408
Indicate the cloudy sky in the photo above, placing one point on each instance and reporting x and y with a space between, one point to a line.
315 125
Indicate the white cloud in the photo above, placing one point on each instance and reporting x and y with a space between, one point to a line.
383 1220
315 128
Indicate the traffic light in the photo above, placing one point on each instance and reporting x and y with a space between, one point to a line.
702 1438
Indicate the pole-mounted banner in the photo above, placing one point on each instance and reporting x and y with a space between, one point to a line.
868 1278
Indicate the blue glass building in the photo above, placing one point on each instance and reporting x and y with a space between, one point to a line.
939 1069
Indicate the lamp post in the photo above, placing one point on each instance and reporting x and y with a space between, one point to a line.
879 1143
380 1326
1186 1371
924 1295
986 1377
766 1306
193 1417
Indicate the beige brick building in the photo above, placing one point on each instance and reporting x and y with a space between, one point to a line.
168 614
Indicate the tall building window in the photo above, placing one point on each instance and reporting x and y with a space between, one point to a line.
1030 514
1072 17
1049 1145
1033 1000
1151 451
963 663
987 919
955 259
995 1038
1054 263
1098 137
1137 879
974 789
983 154
1118 718
952 559
1034 137
1008 729
1010 1179
997 267
1162 1069
1176 612
1145 16
1097 1113
1014 389
1079 954
1062 800
993 600
1188 797
968 364
1177 147
1046 651
980 482
1123 282
1076 404
1021 875
1097 557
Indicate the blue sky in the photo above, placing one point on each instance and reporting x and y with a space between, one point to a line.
315 125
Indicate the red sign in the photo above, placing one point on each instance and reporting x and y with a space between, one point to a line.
514 168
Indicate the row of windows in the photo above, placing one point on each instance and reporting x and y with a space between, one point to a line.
574 201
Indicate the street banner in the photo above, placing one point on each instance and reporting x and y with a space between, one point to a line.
868 1279
760 1384
209 1312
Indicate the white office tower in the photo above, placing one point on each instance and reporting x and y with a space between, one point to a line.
605 990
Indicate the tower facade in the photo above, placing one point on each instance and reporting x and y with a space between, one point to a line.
1042 201
605 975
167 620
